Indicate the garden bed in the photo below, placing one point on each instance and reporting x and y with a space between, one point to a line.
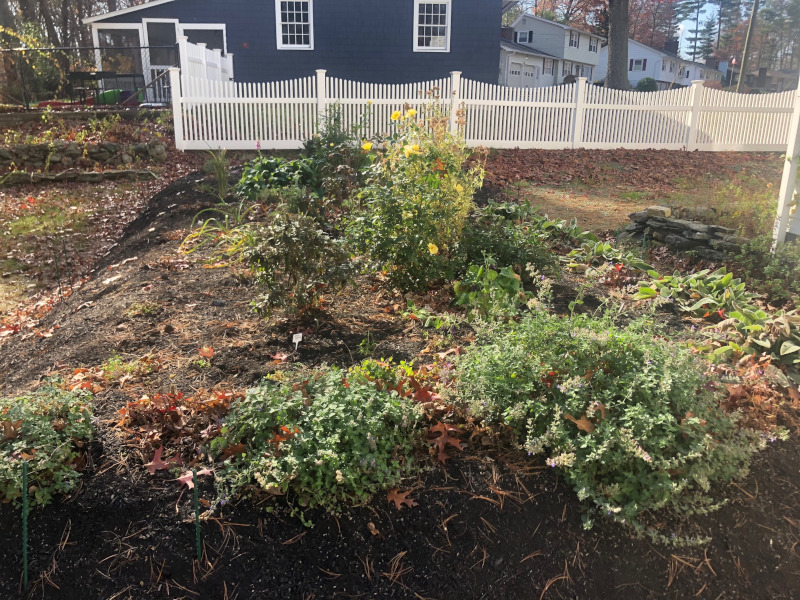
490 522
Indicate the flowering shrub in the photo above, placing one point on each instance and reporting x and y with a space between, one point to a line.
629 419
415 203
330 437
45 428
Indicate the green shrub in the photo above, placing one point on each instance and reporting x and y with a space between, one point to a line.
267 172
415 202
627 417
42 427
294 261
330 437
647 84
488 293
777 276
510 234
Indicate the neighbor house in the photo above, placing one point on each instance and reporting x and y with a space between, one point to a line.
398 41
557 50
667 68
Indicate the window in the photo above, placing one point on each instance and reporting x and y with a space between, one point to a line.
548 66
663 65
432 26
294 25
592 44
638 64
672 67
587 72
524 37
566 68
574 39
577 70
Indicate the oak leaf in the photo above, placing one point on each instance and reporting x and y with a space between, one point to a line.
400 498
187 478
444 439
583 423
157 464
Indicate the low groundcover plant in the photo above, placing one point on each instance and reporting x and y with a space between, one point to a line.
43 428
628 418
329 437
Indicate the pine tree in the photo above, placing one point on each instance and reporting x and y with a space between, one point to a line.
708 38
693 9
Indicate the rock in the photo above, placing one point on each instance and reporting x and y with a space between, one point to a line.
635 227
73 151
659 211
720 230
66 176
56 157
639 217
66 162
724 246
735 239
60 144
17 177
90 177
698 227
657 235
126 158
774 375
696 235
627 236
6 154
665 225
681 243
711 255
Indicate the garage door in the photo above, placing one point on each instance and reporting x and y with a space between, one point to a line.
515 74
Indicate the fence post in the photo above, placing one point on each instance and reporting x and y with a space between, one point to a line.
789 180
177 106
695 97
322 101
183 54
218 59
580 109
455 95
230 67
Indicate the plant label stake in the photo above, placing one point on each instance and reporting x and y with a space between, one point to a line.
196 515
296 339
25 524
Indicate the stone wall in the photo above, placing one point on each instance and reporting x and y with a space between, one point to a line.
710 242
61 154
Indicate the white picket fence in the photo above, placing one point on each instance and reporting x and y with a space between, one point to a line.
213 113
200 62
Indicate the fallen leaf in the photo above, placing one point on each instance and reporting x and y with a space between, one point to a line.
280 357
583 423
400 498
156 464
232 451
444 439
10 429
187 478
206 352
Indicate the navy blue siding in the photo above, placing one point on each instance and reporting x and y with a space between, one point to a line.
365 40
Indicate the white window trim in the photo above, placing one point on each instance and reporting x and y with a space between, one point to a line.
279 32
208 26
139 27
544 66
641 65
448 28
577 37
594 44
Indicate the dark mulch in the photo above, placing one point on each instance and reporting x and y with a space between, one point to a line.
490 523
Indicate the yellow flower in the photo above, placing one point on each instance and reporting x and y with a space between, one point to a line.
331 144
459 188
395 115
415 148
367 146
411 112
369 101
433 248
409 149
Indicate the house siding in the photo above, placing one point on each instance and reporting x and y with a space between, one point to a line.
353 39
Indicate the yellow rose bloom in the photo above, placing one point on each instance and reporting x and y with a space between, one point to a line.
395 115
411 112
367 146
433 248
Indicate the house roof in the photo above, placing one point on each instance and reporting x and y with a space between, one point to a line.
515 47
124 11
561 25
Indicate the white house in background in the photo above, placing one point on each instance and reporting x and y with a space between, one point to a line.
669 70
574 52
522 66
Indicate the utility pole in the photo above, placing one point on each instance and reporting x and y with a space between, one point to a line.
747 40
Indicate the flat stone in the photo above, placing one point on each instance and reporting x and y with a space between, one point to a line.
90 177
724 246
681 243
697 235
657 235
735 239
639 217
659 211
698 227
720 230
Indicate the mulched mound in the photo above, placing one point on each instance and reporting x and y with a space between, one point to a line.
490 523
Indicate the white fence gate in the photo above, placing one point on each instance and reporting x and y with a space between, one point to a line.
212 112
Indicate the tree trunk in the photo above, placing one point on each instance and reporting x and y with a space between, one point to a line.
617 75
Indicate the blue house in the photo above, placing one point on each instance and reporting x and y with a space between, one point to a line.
394 41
